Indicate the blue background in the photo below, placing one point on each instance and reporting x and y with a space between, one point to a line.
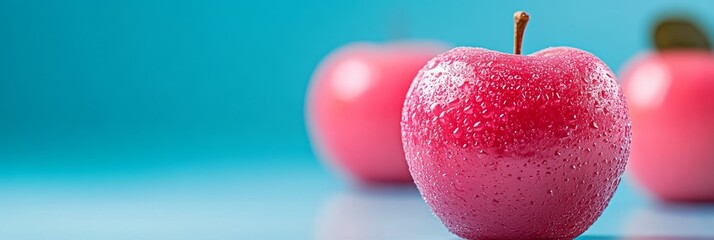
228 78
162 118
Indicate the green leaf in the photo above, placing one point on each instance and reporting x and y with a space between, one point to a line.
679 33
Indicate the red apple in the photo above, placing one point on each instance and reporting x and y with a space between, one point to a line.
671 96
354 106
505 146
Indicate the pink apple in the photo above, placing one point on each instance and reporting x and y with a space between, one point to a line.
505 146
354 106
671 96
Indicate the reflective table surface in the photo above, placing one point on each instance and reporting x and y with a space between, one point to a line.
230 199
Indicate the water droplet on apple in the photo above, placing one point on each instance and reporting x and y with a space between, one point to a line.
485 113
432 64
457 133
435 108
479 98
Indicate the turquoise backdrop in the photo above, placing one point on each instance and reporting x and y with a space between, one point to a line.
158 119
87 79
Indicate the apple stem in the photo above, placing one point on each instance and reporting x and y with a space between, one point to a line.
520 19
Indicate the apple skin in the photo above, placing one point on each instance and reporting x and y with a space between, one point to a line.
671 96
354 105
516 147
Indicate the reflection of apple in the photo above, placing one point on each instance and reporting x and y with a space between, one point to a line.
354 105
510 146
391 213
671 98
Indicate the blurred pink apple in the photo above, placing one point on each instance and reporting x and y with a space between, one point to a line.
354 106
671 99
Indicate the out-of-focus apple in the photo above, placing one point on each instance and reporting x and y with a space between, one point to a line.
354 105
671 98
